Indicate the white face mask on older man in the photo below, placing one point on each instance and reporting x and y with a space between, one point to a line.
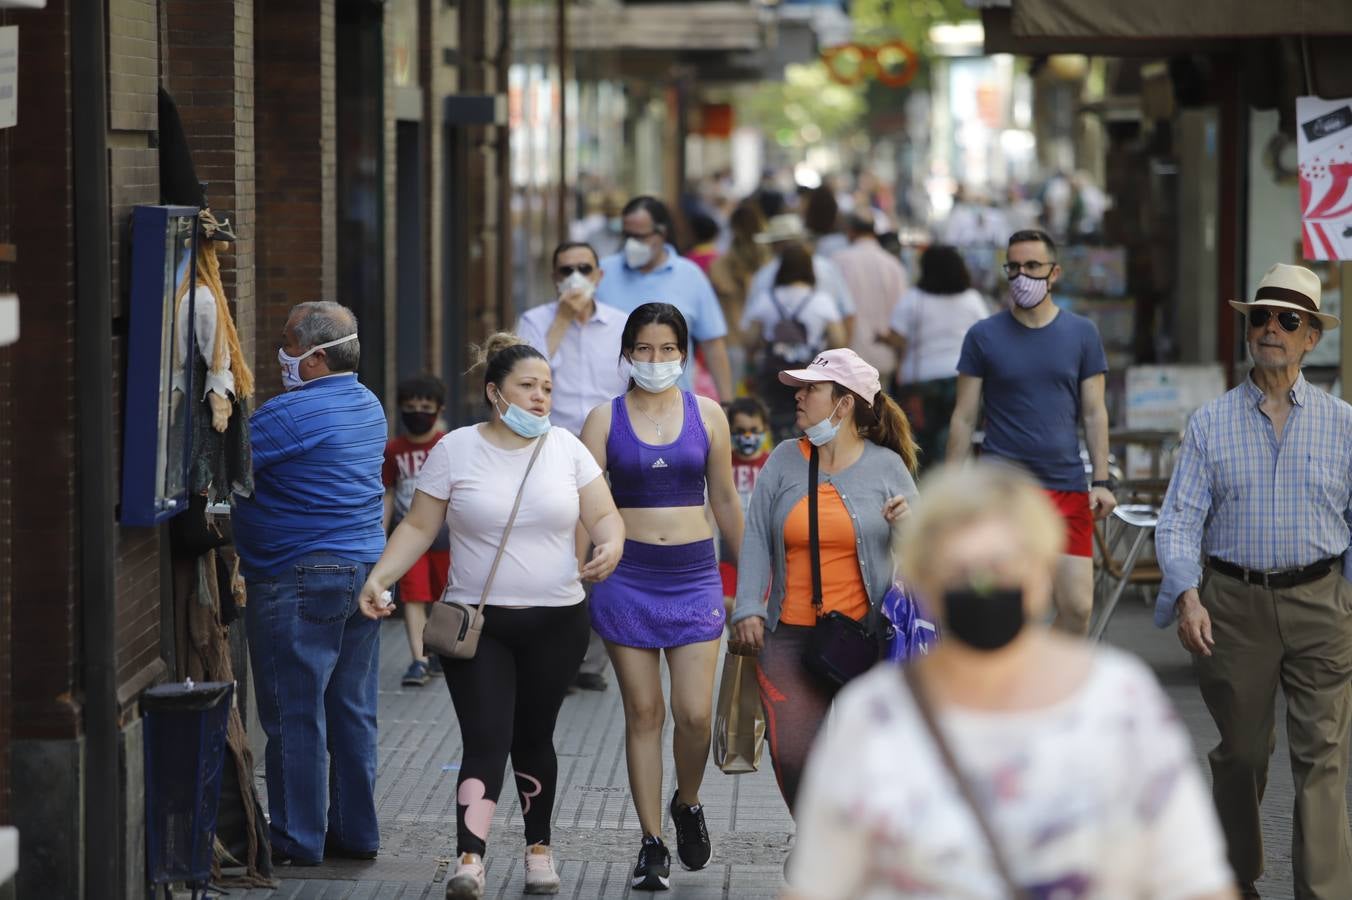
291 364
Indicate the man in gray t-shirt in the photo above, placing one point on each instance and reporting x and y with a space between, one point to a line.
1040 370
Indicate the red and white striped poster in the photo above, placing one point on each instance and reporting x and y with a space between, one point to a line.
1324 135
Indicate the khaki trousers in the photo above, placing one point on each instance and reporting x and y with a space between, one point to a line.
1300 638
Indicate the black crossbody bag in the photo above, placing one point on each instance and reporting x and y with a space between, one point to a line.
839 648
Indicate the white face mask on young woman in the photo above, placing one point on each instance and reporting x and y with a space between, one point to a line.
656 377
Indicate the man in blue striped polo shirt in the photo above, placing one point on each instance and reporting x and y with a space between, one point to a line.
306 540
1251 541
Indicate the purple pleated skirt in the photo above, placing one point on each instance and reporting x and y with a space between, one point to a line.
660 596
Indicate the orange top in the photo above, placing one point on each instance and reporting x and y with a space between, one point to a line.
842 583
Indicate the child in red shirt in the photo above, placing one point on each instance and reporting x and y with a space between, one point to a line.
749 423
421 400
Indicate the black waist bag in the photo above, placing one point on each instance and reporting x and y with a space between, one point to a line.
839 648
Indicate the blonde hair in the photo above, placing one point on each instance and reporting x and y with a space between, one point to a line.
952 497
226 348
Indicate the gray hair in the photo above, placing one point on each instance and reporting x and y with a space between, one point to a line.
321 321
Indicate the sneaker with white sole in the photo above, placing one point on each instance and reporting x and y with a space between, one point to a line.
693 847
653 872
468 881
540 875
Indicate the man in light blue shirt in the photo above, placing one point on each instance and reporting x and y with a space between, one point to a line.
1261 497
648 269
579 336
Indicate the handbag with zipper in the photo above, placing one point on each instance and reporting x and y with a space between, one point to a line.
839 648
453 628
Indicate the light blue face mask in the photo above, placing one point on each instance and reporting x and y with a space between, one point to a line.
526 424
824 432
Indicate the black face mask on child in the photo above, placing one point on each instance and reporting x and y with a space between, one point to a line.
984 618
417 421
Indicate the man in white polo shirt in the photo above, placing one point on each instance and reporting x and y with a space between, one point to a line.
581 339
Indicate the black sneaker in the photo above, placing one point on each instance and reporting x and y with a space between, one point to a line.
692 835
653 872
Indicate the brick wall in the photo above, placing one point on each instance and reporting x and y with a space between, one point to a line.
296 155
134 178
42 552
209 70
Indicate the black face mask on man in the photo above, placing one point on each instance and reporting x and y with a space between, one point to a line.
417 421
984 618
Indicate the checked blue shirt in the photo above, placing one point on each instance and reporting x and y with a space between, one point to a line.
1240 495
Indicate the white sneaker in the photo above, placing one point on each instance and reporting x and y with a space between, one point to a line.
540 875
468 881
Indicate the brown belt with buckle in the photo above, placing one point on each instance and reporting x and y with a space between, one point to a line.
1283 578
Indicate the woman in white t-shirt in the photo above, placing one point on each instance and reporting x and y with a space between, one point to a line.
927 327
795 322
1077 759
535 626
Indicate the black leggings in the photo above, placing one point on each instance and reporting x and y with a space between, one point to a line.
507 700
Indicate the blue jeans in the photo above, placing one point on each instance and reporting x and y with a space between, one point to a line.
315 666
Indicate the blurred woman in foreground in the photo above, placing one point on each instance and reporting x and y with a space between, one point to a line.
1075 762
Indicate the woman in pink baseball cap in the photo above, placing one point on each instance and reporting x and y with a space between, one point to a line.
814 613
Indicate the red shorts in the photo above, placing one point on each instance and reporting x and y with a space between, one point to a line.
728 573
1074 509
427 579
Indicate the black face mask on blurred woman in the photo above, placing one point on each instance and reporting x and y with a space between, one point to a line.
418 422
984 618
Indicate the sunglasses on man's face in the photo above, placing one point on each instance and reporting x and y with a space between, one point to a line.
1290 321
584 268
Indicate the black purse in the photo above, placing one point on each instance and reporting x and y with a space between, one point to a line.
839 648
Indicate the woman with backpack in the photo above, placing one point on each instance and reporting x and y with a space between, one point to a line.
795 321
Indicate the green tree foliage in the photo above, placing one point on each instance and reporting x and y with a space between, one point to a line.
805 108
909 20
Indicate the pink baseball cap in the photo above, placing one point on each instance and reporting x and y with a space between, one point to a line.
845 367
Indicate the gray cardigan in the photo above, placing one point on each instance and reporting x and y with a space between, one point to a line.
864 487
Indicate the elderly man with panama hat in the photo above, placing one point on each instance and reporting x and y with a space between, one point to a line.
1251 540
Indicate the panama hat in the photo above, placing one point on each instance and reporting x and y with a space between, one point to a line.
785 227
1289 287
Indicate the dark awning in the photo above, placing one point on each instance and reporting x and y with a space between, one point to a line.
1179 19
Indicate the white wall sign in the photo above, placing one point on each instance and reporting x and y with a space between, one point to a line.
9 325
1324 138
9 76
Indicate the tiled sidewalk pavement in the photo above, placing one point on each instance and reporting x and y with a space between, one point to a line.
596 831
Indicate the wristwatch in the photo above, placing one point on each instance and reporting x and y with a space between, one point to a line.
1104 483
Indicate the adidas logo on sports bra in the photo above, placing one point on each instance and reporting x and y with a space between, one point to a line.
660 464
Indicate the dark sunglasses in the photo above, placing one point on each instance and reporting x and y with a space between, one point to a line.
585 269
1258 318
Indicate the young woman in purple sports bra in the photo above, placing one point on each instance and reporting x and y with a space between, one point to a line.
661 446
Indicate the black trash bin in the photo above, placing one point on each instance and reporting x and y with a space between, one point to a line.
185 727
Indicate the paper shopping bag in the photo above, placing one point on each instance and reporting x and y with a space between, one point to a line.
739 720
